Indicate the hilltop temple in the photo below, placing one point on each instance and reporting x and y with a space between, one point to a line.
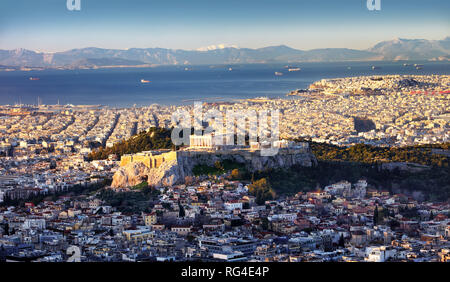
201 141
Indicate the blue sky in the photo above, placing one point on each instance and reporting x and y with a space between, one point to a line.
46 25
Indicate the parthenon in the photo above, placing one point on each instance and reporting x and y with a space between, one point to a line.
201 141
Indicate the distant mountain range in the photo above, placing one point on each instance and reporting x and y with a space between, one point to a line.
398 49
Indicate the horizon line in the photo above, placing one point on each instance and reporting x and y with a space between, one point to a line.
218 47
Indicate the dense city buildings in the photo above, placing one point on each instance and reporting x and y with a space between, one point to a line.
54 196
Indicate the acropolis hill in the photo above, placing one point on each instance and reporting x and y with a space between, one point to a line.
165 167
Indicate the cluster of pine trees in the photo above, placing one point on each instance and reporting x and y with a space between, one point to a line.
362 153
153 139
262 190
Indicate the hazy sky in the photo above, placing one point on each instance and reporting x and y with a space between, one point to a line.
47 25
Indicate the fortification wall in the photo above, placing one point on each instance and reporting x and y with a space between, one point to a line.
149 159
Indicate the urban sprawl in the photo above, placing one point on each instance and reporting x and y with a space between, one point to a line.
44 152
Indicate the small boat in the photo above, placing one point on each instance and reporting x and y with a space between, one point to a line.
34 78
375 67
278 73
294 69
145 81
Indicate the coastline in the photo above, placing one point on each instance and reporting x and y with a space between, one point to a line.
173 85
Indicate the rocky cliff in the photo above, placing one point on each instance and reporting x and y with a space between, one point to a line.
174 171
130 175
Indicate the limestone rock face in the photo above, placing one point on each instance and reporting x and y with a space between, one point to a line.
130 175
281 161
169 173
253 162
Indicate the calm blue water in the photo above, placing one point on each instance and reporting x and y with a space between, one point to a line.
174 85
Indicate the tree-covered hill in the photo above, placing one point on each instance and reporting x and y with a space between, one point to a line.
154 139
362 153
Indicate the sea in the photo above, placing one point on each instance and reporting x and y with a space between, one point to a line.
177 85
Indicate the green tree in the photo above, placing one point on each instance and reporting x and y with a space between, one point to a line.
218 165
262 190
235 174
265 223
6 228
375 216
182 212
341 241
